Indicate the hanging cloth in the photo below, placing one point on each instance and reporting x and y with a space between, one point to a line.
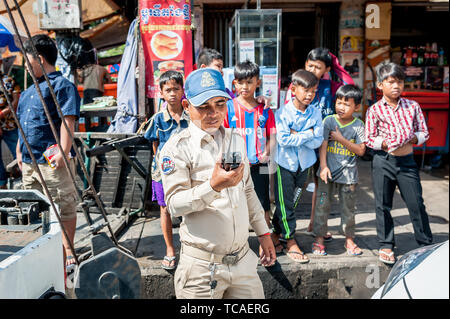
125 120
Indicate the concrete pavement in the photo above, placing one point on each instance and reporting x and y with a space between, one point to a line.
334 276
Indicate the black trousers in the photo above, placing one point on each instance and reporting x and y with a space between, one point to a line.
260 177
388 172
284 221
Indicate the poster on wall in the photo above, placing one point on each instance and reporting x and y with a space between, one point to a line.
269 86
352 44
166 40
247 51
353 64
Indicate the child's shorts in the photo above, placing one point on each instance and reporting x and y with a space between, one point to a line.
260 177
158 193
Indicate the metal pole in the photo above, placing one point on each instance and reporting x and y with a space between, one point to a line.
25 80
97 200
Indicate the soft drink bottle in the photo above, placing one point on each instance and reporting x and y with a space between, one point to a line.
81 125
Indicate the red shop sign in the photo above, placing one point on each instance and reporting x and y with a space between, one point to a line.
166 39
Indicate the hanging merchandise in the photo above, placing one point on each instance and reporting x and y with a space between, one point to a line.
125 120
166 39
73 52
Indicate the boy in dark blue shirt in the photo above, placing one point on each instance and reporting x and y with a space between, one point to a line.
167 122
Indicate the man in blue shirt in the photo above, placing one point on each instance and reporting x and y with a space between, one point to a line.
38 133
299 132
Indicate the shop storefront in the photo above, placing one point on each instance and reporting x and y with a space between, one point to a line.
304 26
414 40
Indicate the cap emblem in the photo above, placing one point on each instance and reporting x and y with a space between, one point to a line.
207 80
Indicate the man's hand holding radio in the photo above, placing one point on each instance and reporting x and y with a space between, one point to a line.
222 179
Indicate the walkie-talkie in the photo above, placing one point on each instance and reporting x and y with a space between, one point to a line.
231 160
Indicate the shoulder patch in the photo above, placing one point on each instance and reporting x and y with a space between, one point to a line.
167 165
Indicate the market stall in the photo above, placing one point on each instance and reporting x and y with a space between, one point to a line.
422 53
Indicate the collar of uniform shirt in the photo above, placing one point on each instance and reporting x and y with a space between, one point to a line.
199 135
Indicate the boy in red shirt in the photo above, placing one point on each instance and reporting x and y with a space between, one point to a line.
393 125
256 125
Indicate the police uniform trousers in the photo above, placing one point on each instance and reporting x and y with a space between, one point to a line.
238 281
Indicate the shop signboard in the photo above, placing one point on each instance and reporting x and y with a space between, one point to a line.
378 20
247 51
166 40
59 14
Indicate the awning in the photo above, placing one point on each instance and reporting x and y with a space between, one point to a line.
109 33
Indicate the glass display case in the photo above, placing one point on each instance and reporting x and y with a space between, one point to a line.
255 35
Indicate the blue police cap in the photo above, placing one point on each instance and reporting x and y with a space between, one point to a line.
204 84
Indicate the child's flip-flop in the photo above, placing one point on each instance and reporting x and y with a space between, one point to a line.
169 259
353 251
301 261
389 255
318 249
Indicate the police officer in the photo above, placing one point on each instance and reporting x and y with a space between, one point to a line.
217 205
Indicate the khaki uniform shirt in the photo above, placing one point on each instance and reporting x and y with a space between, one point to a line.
217 222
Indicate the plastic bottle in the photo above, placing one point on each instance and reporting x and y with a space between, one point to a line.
434 58
414 56
95 121
81 125
408 60
403 56
420 58
427 53
441 57
434 47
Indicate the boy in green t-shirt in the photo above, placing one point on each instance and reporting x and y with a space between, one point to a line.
343 142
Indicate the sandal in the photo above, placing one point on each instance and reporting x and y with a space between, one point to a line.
301 261
318 249
169 259
389 255
353 251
